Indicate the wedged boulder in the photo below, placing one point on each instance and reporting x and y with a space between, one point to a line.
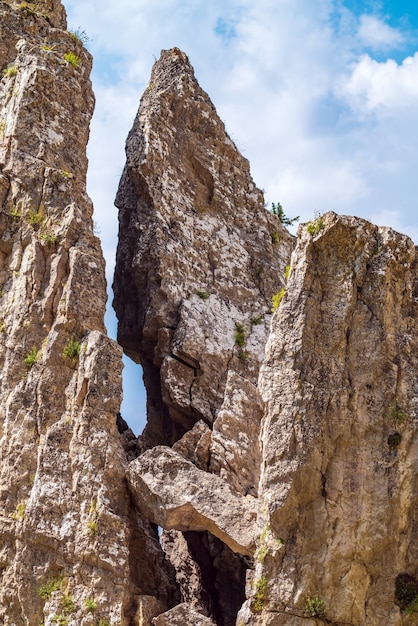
173 493
182 615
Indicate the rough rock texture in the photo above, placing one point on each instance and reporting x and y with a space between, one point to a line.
340 443
199 259
322 440
175 494
67 531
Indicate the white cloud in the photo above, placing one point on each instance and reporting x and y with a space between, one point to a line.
386 86
376 34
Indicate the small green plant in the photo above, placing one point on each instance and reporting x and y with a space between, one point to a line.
66 174
15 213
46 47
243 355
276 299
287 272
239 334
60 620
19 513
72 351
2 326
10 70
90 605
32 357
412 608
72 59
260 588
275 237
278 211
315 606
204 295
92 528
314 227
103 622
35 218
256 320
47 589
67 604
397 414
261 553
79 35
48 237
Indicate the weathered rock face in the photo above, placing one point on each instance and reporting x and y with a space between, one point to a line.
339 438
198 261
196 265
68 537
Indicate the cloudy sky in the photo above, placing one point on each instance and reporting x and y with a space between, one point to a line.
320 95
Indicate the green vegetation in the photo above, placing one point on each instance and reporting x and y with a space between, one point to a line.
315 606
278 211
256 320
90 605
287 272
35 218
397 414
72 59
275 237
92 528
314 227
32 357
47 589
2 326
276 299
79 35
15 213
60 620
204 295
72 351
10 70
260 588
239 335
67 604
103 622
48 237
19 513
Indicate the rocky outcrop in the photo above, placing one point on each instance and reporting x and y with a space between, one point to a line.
199 259
279 459
339 436
321 439
70 543
174 493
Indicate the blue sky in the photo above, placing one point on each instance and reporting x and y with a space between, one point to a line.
321 97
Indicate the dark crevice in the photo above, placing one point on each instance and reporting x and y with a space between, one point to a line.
222 576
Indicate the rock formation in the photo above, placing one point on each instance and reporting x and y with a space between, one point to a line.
279 458
71 547
321 441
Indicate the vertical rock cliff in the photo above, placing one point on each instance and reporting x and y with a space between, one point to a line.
70 544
